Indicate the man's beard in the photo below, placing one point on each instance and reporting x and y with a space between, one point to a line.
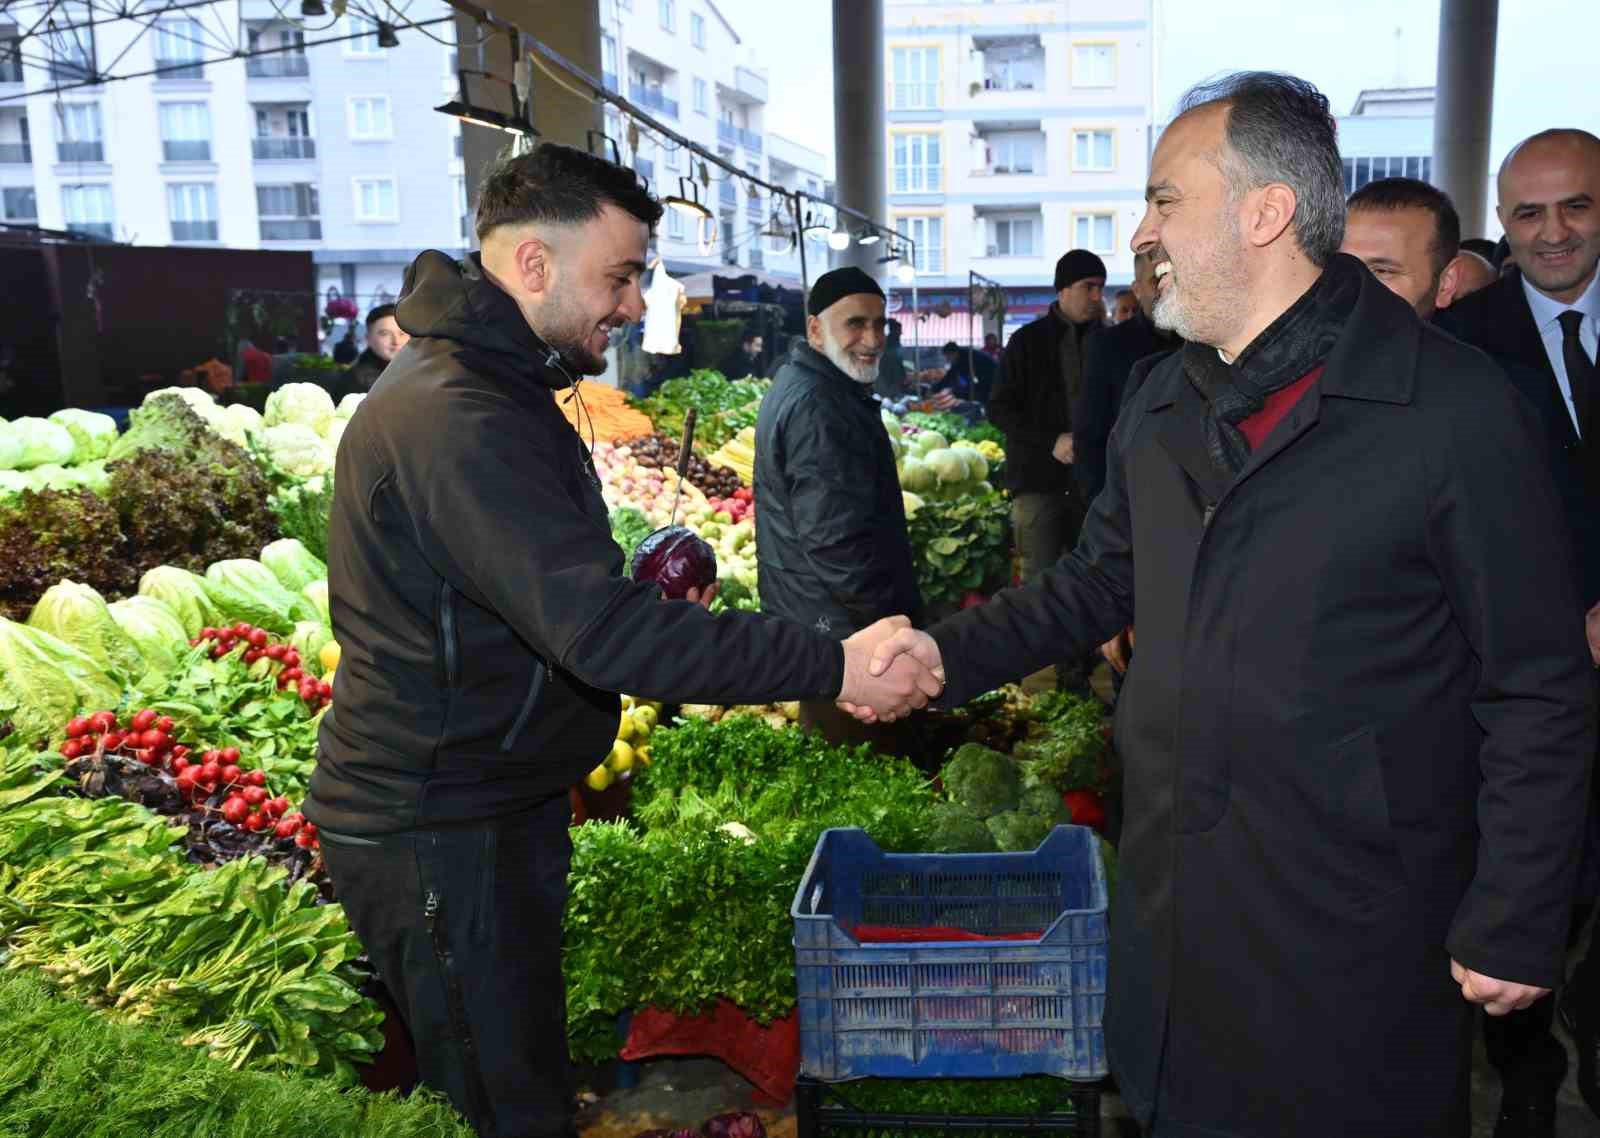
567 331
840 358
1202 300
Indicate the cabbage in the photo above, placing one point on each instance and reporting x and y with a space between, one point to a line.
184 593
10 446
308 638
42 442
44 682
911 502
293 564
977 465
347 405
297 449
14 482
246 590
75 613
92 433
676 559
928 441
305 404
947 466
917 475
155 630
316 594
243 416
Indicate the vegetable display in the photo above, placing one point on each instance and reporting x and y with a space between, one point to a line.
726 406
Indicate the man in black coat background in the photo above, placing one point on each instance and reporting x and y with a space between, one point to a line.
1358 731
1549 203
831 531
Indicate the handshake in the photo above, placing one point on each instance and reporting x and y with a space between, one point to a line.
890 670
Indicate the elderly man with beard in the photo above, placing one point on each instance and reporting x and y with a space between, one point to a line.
1357 733
487 628
831 528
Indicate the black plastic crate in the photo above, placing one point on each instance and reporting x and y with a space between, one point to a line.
825 1110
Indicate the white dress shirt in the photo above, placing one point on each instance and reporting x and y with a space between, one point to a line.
1546 312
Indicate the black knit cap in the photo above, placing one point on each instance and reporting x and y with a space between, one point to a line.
1076 266
835 286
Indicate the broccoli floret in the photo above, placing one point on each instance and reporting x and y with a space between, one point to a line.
984 781
955 830
1044 802
1016 832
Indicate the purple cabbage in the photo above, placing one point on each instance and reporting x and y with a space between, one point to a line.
676 559
740 1124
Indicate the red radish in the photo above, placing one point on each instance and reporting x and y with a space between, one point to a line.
188 778
179 764
275 651
234 811
77 727
208 633
144 720
291 674
148 757
255 795
243 628
230 775
277 807
255 778
294 816
292 658
180 751
218 651
285 828
311 828
71 749
304 839
324 688
153 739
251 655
210 771
103 721
257 637
113 740
256 823
228 755
164 723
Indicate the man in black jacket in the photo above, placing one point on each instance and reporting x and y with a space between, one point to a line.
487 628
1357 733
1549 191
385 338
831 531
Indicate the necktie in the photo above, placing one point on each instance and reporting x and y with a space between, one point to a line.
1580 368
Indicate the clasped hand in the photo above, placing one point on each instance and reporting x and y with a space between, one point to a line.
890 670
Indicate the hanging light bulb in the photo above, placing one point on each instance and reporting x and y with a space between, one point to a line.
906 273
867 236
839 239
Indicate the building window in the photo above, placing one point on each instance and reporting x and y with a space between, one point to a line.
368 117
81 140
672 157
928 233
71 49
1096 232
697 30
193 209
915 75
365 33
179 50
20 203
608 61
918 166
700 96
1012 153
677 230
88 209
289 212
1093 150
667 12
375 200
1094 65
1359 171
185 132
1013 237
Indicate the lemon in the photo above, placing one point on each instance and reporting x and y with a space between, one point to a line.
627 703
599 778
329 656
645 719
625 728
643 755
621 757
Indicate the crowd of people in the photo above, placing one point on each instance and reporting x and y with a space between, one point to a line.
1330 462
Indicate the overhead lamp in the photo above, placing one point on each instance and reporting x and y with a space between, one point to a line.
687 201
867 236
839 239
386 36
463 108
816 230
906 273
312 9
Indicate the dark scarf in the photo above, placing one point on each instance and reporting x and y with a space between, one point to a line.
1289 348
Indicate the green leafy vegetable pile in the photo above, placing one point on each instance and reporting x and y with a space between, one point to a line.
960 545
725 405
955 427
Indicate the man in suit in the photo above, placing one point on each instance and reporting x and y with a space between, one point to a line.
1408 234
1541 323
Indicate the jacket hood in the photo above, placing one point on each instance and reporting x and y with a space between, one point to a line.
454 300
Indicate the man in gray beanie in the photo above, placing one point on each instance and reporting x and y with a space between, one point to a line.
1032 404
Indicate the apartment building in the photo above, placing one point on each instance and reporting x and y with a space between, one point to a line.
1016 131
333 148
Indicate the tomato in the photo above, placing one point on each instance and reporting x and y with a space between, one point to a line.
1086 808
255 778
144 720
235 811
230 775
257 637
228 755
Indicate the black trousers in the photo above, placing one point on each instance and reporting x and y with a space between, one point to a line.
464 926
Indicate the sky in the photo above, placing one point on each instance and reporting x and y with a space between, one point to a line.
1545 72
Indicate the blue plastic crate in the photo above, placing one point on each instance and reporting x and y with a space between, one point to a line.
952 1009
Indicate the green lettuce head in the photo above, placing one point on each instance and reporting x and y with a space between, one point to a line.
184 593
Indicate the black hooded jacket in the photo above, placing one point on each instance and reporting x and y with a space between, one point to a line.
477 596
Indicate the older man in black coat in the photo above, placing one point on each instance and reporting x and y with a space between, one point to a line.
1358 730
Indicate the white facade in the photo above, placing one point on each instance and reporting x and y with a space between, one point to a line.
1017 131
334 148
683 64
1387 134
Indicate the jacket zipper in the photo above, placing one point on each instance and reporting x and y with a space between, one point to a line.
447 632
535 687
454 1000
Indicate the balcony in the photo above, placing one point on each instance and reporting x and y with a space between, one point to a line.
727 132
727 195
187 150
1010 63
93 228
10 62
15 154
291 229
179 69
653 98
80 151
755 208
194 231
750 84
284 66
750 140
609 78
283 149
